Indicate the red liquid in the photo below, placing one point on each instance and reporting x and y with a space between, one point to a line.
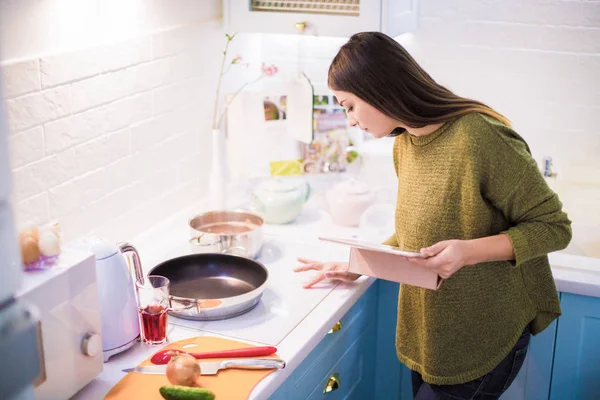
154 324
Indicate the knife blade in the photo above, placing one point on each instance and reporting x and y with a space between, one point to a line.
154 369
212 367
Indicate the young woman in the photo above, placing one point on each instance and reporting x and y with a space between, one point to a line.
472 200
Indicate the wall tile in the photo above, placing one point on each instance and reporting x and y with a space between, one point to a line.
570 39
21 78
102 151
26 147
120 172
170 97
63 68
102 138
37 108
132 52
101 89
80 191
33 209
153 74
42 175
75 129
187 65
150 132
540 12
171 42
130 110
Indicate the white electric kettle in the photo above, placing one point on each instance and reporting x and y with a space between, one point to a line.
116 292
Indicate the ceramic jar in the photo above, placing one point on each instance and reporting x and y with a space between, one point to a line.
347 200
280 201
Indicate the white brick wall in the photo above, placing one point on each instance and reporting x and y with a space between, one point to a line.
536 61
113 138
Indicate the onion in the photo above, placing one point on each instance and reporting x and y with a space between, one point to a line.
30 251
49 244
183 370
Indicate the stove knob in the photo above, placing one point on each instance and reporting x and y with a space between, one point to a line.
91 345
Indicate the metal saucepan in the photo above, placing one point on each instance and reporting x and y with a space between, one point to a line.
213 286
234 232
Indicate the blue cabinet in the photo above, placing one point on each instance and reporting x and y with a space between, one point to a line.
563 361
352 376
342 364
393 379
359 360
576 372
389 371
533 381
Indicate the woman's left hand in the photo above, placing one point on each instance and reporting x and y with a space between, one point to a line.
445 257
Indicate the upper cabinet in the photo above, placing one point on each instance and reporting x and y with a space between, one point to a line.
321 17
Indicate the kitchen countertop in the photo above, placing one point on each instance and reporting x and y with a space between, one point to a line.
575 274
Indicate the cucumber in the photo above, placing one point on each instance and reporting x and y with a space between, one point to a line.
175 392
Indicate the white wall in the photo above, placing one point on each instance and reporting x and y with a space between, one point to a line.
40 27
110 116
536 61
109 106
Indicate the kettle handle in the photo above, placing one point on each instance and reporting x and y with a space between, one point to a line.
137 263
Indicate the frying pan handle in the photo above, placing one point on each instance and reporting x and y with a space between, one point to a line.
189 304
185 307
225 243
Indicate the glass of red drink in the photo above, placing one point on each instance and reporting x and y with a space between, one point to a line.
153 306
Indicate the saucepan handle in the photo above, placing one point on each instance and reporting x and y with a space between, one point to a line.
201 240
236 251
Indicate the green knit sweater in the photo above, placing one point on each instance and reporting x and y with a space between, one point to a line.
472 178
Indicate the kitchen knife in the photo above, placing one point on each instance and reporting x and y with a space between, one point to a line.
163 356
211 368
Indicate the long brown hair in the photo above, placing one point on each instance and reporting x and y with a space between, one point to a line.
378 70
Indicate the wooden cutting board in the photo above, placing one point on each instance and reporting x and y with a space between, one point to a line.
228 384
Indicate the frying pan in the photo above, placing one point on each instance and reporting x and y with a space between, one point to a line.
213 286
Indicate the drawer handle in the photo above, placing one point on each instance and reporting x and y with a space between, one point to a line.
300 26
336 327
333 383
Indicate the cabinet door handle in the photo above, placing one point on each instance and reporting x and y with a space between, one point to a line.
336 327
333 383
300 26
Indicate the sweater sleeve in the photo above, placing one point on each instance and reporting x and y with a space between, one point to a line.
393 240
514 185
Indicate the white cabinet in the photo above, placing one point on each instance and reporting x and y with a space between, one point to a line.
321 17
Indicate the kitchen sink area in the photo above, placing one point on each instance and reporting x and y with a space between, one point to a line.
580 261
585 242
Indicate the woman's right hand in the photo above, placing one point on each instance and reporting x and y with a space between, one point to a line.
327 270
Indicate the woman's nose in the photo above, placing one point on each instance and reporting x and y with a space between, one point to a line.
352 121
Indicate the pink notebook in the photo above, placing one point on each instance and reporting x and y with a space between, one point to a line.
387 262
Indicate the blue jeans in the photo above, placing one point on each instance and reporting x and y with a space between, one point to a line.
488 387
